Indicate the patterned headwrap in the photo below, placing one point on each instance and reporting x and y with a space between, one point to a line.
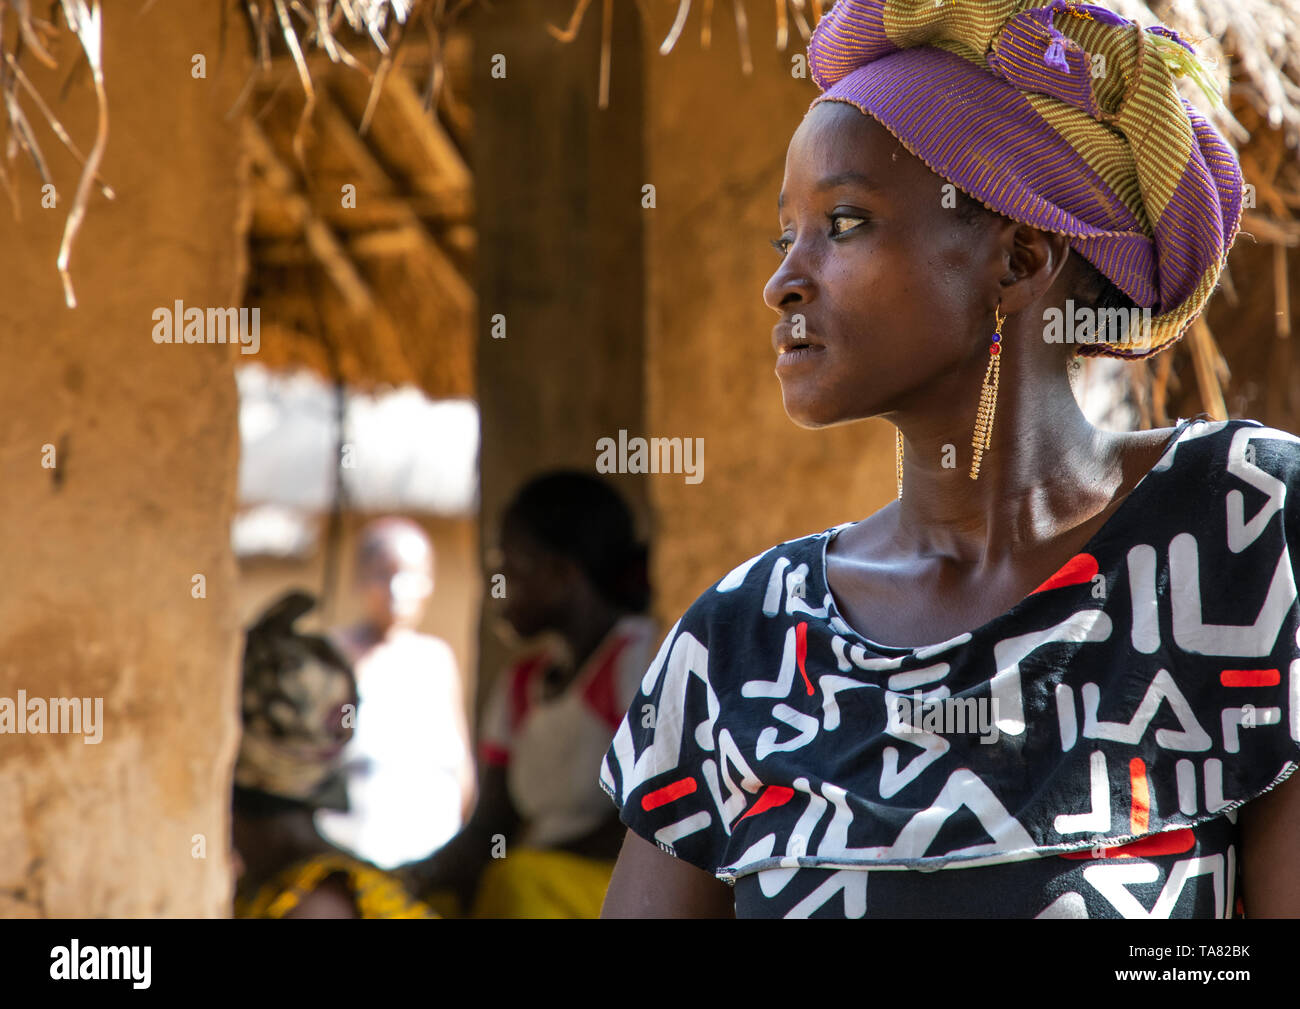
1064 117
296 723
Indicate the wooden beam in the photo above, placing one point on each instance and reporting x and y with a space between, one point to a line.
401 241
1280 377
1160 389
341 133
1270 229
449 278
1209 365
325 247
320 239
385 244
427 131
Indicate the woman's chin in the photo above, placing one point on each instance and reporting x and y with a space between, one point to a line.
807 409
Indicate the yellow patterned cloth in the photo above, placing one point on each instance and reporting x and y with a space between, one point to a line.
375 892
531 883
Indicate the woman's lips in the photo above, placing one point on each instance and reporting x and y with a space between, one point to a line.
785 338
798 357
795 347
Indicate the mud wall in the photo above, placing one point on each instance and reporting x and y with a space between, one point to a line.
119 460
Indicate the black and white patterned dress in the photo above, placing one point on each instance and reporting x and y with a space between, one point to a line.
1115 719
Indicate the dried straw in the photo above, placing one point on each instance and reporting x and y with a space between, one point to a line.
1262 36
34 37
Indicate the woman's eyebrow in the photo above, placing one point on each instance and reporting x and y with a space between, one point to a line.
846 179
831 181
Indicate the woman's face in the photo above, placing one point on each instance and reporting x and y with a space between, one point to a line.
537 592
889 282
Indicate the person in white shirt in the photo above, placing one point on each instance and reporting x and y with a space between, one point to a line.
410 773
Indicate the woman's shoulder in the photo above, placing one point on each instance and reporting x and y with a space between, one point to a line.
1233 446
765 584
1214 469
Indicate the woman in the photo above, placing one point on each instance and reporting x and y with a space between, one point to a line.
299 701
1064 667
542 840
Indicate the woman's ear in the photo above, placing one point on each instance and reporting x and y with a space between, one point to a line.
1034 260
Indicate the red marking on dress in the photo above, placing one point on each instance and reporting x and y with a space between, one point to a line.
669 793
1250 677
1078 570
801 652
773 796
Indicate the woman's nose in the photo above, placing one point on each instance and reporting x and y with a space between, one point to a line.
791 281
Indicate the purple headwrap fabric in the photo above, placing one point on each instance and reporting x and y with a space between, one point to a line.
1063 116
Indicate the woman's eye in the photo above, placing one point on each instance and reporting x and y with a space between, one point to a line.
853 220
782 244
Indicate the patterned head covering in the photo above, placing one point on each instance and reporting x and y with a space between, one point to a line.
295 692
1065 117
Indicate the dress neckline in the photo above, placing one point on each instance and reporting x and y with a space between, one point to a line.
624 629
1105 530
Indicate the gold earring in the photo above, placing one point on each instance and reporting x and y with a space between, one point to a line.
898 459
988 397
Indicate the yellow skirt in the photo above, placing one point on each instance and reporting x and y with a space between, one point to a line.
375 892
531 883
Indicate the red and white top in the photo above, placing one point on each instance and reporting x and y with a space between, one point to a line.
552 747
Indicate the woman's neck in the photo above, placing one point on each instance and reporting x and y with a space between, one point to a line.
589 627
1046 469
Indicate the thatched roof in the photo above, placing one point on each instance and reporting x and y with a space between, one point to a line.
1254 45
373 288
381 291
361 253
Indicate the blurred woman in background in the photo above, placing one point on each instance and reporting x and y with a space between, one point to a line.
298 703
543 838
